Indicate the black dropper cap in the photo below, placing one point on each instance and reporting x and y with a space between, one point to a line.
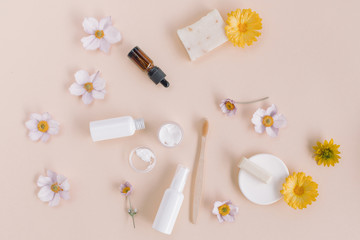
158 76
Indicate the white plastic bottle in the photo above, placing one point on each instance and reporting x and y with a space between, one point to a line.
171 202
115 128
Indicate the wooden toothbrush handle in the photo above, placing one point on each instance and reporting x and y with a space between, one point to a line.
199 178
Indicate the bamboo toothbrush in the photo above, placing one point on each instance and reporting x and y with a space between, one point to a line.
199 174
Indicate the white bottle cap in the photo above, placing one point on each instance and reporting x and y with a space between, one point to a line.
139 124
179 180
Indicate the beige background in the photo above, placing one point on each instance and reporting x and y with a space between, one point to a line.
306 60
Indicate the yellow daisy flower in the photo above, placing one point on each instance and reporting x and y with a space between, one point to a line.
242 27
299 190
327 153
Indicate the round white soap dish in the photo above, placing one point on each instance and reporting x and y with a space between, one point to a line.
258 191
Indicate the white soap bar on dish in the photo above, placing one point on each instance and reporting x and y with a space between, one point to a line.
255 170
204 35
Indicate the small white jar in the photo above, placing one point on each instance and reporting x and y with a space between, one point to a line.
170 134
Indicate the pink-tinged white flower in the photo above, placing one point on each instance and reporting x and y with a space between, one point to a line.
225 211
126 189
53 187
268 120
41 126
89 87
102 34
228 107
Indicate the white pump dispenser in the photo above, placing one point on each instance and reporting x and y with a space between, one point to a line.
171 202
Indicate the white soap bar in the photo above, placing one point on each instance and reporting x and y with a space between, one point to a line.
255 170
204 35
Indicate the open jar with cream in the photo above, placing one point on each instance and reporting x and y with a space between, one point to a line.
142 159
170 134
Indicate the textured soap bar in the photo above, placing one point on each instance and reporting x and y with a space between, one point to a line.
255 170
204 35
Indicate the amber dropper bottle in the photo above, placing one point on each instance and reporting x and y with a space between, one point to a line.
146 64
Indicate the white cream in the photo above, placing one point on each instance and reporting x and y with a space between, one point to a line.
142 159
170 134
145 154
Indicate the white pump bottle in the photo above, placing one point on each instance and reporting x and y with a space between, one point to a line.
171 202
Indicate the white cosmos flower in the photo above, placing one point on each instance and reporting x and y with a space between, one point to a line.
89 87
268 120
53 187
102 34
41 126
225 211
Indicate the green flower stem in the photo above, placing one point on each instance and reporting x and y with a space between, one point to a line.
131 212
253 101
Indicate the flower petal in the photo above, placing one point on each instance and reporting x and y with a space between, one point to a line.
256 119
55 201
260 113
233 209
279 121
272 132
228 218
60 179
45 194
112 35
104 46
36 116
65 195
53 127
65 185
46 116
99 83
272 110
32 124
53 124
104 23
52 175
90 25
90 42
218 204
35 135
260 128
45 137
220 218
98 94
44 181
53 131
76 89
81 77
87 98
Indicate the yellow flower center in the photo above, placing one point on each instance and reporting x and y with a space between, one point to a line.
229 106
224 210
242 27
88 86
327 153
43 126
99 34
268 121
299 190
56 188
126 189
